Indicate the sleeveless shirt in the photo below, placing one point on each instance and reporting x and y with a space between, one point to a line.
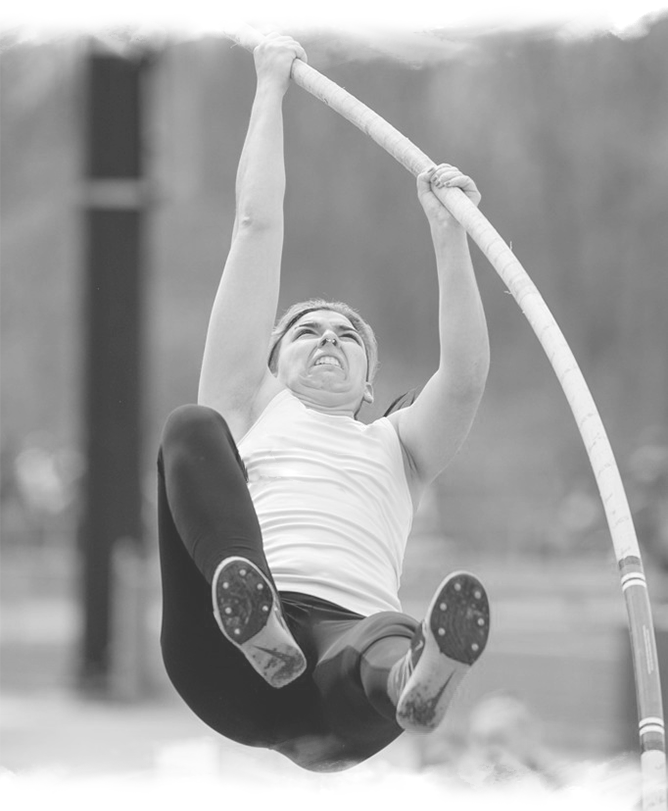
333 503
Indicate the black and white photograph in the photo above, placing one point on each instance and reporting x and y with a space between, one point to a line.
334 405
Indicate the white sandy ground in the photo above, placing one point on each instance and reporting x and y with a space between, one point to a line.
189 776
104 756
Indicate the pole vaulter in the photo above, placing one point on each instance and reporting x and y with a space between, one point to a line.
618 515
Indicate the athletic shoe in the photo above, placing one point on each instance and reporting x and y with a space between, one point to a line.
248 612
449 640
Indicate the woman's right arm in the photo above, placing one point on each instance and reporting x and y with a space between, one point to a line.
234 365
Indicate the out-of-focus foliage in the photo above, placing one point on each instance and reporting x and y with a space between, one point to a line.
568 142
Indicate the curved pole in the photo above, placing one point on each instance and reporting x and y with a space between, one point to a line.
620 522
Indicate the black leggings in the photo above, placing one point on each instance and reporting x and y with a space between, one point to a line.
337 713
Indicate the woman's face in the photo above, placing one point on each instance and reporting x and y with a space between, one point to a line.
323 361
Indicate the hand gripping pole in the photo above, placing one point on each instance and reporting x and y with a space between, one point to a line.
599 451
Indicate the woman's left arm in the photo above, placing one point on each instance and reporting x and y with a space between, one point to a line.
432 429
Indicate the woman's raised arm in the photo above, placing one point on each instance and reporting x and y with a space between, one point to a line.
234 365
432 429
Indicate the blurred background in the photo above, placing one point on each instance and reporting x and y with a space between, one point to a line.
119 153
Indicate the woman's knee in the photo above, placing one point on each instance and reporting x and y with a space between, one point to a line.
197 432
189 423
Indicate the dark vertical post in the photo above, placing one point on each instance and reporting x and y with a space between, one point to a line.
113 319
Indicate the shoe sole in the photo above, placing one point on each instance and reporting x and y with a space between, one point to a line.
455 632
247 610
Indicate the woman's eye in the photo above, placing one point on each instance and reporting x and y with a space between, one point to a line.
303 331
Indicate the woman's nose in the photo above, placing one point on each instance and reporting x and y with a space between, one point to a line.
329 337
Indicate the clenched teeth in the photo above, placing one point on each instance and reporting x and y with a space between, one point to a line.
329 360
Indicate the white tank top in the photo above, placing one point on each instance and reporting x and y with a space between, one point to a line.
333 503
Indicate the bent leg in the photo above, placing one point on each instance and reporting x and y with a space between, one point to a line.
450 640
383 674
352 675
205 515
206 490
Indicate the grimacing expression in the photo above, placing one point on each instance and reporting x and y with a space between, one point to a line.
324 356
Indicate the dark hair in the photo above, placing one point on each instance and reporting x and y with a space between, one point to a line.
403 400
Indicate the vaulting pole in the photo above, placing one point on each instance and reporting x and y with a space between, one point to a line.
615 503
